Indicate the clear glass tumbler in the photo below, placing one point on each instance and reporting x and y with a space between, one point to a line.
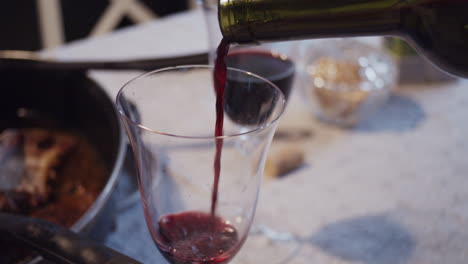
169 115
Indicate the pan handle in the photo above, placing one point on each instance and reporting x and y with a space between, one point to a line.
30 60
58 243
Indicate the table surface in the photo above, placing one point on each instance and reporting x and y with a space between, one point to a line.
392 190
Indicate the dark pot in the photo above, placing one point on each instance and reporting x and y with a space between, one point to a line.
74 101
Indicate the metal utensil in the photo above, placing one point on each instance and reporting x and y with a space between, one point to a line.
18 59
57 243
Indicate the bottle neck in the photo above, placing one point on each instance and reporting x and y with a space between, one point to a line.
247 21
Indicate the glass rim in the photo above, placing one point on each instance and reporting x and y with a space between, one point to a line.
282 99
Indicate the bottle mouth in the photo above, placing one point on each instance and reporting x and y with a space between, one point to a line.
234 21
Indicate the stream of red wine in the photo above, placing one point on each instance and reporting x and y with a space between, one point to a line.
219 76
195 237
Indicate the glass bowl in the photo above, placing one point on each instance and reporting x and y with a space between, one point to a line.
346 80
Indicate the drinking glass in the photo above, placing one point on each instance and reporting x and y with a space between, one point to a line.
170 116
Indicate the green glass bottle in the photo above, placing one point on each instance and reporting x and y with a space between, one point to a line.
438 29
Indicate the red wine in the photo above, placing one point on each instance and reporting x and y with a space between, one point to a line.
248 100
196 238
219 75
273 67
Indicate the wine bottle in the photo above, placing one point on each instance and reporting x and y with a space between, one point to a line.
438 29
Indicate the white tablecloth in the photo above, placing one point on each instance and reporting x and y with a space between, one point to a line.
392 190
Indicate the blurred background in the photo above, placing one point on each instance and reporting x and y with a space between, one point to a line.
39 24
